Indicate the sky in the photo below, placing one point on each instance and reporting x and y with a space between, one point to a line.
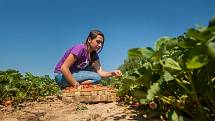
34 34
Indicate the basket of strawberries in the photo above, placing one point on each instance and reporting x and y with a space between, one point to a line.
89 94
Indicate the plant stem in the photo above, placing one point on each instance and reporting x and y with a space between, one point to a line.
195 97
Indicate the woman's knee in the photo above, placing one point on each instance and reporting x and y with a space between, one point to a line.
86 75
95 78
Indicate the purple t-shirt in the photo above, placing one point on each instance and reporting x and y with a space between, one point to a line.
80 51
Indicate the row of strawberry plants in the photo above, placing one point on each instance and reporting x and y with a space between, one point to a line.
178 75
16 88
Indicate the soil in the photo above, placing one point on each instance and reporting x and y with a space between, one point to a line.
53 108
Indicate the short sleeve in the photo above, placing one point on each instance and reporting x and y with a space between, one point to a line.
77 50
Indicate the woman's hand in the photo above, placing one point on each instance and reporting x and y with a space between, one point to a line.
117 73
76 84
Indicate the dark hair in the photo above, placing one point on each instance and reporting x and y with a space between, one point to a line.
93 34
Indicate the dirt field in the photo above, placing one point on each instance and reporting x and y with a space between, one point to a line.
54 109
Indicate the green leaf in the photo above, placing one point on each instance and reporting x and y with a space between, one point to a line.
139 93
196 59
167 76
144 80
146 75
152 92
141 52
170 63
175 117
211 49
162 42
212 22
14 89
7 87
144 101
123 91
196 35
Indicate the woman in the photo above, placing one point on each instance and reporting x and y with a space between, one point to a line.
80 64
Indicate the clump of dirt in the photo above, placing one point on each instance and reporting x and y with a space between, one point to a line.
54 109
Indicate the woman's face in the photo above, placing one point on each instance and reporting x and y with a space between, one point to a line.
96 43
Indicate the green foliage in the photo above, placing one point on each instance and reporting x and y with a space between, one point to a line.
178 74
196 58
141 52
154 90
172 64
19 88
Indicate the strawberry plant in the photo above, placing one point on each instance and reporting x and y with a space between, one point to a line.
178 74
16 88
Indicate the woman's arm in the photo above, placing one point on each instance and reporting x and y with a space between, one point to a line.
70 60
103 73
